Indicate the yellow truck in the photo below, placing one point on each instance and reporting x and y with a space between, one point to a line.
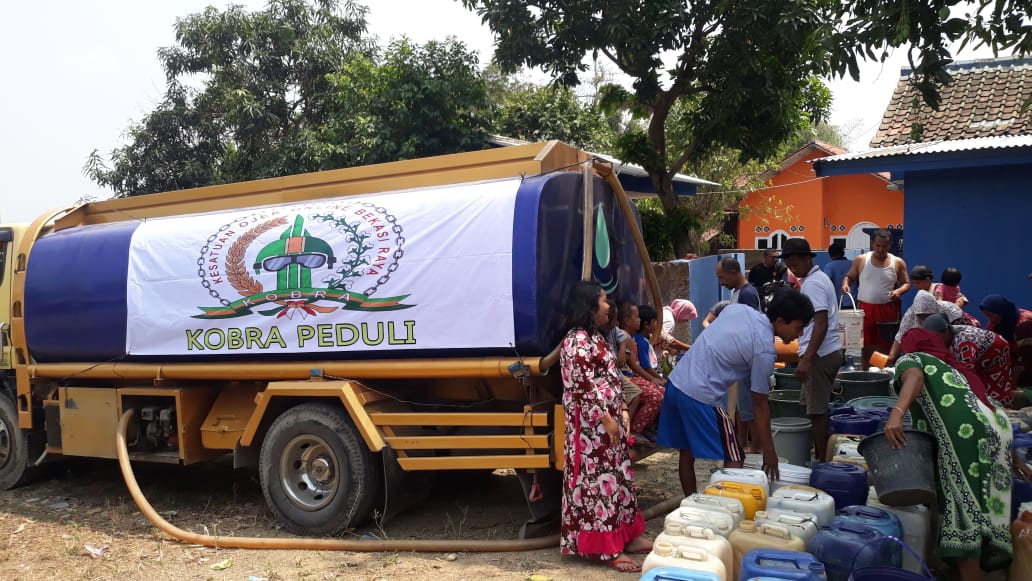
345 332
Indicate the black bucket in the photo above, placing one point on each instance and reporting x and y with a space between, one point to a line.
854 384
786 379
903 477
784 403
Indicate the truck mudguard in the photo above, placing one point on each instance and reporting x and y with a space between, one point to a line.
473 269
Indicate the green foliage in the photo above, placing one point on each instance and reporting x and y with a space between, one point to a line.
536 113
263 87
406 102
709 76
925 28
293 88
739 77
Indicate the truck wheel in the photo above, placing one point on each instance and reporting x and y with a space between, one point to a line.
317 474
14 447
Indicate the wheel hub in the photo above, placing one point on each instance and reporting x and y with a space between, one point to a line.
5 444
309 472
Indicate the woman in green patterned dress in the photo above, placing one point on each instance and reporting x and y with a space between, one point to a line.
973 456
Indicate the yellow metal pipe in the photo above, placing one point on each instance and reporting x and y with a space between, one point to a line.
606 171
486 367
427 546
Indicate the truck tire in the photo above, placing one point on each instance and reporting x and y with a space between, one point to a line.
14 447
317 474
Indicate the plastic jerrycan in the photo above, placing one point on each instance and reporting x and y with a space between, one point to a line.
748 537
779 564
720 523
699 537
804 499
677 574
732 506
742 475
752 496
691 558
1021 536
802 526
917 527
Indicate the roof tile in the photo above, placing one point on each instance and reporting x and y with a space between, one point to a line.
985 99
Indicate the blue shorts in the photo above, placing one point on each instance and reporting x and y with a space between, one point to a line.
704 430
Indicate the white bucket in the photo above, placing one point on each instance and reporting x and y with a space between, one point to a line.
792 439
851 326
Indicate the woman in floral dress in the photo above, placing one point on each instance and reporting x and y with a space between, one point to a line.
600 516
973 456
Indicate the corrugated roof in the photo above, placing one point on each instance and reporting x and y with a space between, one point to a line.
986 98
941 146
620 167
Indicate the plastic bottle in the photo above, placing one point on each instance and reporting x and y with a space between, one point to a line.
1021 536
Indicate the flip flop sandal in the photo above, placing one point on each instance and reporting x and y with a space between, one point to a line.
624 565
640 551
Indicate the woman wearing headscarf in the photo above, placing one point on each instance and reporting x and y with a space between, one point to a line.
973 456
924 305
985 352
1015 325
678 311
600 516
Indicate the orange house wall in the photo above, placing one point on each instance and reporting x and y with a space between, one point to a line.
801 204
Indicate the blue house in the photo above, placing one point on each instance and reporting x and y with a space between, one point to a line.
966 171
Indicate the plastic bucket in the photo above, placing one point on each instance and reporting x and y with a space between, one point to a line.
792 439
784 403
786 379
903 477
879 359
856 384
851 326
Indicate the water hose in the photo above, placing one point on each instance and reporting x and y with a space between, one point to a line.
426 546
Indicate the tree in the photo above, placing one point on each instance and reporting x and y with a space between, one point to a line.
405 102
536 113
293 88
264 83
744 68
869 29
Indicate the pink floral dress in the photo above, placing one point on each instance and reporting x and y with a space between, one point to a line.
600 510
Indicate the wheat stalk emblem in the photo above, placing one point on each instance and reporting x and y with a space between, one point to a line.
236 270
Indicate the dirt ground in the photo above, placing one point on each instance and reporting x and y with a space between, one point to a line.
82 524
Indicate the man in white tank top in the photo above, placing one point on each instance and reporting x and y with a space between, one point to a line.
882 280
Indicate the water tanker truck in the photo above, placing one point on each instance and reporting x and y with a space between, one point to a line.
346 333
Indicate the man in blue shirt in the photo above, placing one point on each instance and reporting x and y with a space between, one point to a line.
739 344
837 269
729 275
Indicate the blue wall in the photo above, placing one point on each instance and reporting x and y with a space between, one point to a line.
977 220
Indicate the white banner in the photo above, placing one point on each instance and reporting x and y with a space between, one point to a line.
419 269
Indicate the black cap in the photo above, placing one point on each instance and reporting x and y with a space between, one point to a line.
921 272
796 247
936 322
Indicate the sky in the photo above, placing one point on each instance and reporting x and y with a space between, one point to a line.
78 73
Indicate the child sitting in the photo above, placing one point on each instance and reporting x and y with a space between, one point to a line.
949 289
